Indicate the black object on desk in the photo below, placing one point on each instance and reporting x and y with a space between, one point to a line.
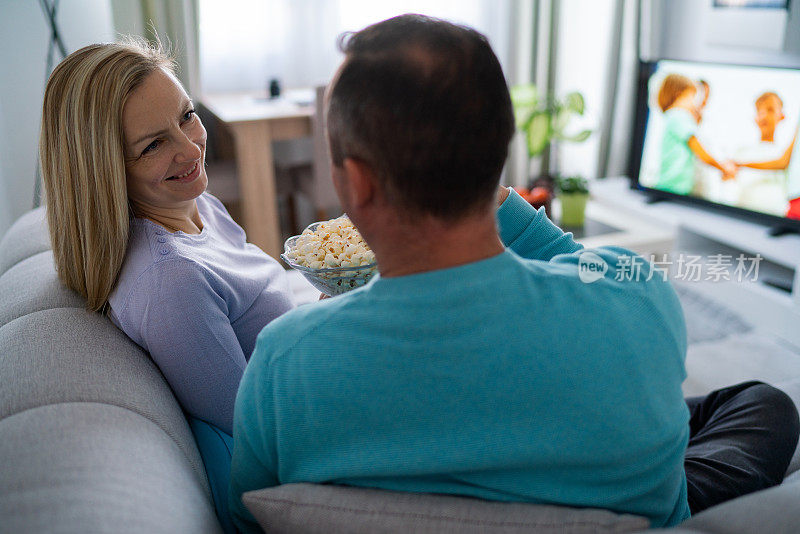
274 88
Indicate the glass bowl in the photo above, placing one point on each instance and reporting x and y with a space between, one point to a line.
331 281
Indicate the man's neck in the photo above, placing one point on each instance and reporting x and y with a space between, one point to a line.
768 137
429 244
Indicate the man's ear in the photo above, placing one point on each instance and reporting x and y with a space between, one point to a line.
362 182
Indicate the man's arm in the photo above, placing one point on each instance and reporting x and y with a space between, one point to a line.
776 164
727 169
253 465
527 231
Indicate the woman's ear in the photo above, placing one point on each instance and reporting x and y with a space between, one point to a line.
361 183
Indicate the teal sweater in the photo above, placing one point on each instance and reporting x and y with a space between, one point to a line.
508 379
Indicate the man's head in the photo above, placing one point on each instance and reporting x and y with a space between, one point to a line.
422 104
769 112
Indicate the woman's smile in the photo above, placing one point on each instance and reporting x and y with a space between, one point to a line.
189 175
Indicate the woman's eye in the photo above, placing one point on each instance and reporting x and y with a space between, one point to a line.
152 146
188 115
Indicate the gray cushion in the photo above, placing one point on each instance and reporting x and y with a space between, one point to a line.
676 530
85 467
32 285
26 237
793 478
774 511
71 355
316 508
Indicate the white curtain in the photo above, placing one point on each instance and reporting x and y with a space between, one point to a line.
245 43
174 22
597 54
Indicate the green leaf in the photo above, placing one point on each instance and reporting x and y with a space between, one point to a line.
539 133
577 138
522 118
524 99
574 102
524 95
573 184
560 120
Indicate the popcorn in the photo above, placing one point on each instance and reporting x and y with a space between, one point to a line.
332 244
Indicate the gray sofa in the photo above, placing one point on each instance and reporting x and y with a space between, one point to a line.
92 439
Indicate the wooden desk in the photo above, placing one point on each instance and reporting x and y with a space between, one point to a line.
255 122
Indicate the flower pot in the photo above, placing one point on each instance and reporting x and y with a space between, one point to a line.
573 208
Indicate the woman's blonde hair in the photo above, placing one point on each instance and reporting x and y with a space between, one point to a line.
81 151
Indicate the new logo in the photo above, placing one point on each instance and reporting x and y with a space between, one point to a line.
591 267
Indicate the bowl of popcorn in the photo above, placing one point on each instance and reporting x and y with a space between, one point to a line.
332 255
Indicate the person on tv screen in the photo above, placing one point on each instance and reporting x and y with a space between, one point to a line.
702 99
680 148
772 171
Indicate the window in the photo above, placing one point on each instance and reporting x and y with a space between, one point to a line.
245 43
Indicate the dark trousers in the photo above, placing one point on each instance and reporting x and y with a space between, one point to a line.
741 440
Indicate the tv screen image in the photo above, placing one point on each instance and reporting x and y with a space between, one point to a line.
724 134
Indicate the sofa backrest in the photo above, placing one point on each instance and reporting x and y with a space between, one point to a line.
92 438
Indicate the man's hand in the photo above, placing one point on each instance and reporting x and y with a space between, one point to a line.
502 195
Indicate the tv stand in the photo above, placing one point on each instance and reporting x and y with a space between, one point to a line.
650 198
780 229
771 302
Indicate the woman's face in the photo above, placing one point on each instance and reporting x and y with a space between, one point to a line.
165 145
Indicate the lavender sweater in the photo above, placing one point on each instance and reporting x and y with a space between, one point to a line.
196 303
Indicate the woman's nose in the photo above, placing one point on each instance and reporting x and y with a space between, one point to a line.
189 150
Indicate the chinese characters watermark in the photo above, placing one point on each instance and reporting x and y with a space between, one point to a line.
683 267
689 268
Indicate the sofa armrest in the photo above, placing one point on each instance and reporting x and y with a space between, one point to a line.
774 510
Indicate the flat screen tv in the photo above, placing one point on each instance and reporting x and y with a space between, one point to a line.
721 136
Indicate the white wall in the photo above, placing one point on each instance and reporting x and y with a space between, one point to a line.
681 29
24 36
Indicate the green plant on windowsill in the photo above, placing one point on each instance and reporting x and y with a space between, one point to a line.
544 119
574 193
573 184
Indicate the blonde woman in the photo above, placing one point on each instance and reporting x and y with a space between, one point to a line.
134 232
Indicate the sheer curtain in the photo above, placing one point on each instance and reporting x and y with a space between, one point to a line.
596 45
245 43
173 21
589 46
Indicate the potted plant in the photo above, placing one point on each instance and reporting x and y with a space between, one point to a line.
543 119
573 192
